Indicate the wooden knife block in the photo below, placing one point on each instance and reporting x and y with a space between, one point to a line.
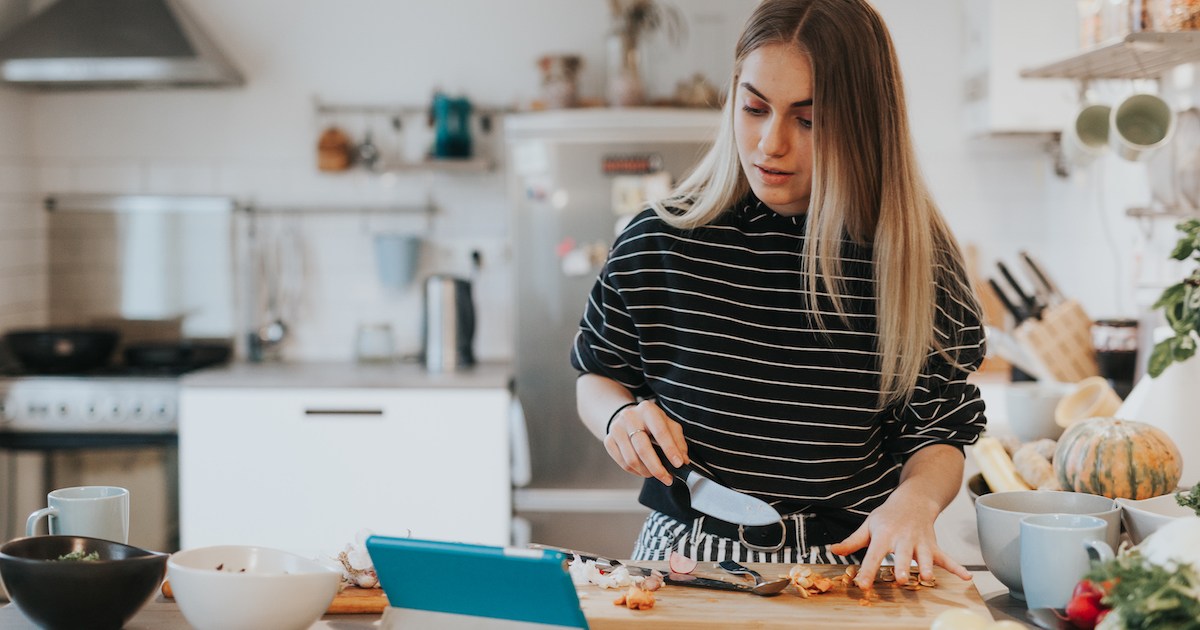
1062 341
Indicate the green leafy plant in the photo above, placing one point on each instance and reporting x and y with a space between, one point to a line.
1190 500
1181 305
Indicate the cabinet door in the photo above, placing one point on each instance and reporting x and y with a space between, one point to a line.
304 470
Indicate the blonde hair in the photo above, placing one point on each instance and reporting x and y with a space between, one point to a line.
866 181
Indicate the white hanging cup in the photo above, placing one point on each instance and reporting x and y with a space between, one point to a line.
1140 125
1086 137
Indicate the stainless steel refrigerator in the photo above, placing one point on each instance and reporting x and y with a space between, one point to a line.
576 177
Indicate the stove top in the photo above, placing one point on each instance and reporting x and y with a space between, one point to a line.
96 402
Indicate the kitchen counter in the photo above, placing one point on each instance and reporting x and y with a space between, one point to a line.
487 375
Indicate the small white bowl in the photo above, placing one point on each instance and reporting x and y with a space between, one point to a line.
1145 517
250 588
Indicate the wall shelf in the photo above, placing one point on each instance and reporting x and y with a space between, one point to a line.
1173 213
1144 55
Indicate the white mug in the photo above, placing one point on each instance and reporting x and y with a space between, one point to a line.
93 511
1086 137
1055 555
1140 125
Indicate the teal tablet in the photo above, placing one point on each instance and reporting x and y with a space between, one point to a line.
522 585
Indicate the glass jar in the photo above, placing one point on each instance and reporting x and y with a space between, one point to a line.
1090 23
1115 19
560 84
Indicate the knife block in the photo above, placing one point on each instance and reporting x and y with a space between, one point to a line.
1061 341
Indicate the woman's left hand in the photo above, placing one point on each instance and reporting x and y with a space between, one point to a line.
903 525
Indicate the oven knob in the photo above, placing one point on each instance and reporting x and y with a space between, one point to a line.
137 410
64 410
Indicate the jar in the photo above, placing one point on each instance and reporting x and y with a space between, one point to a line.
1184 15
1115 19
1090 23
560 85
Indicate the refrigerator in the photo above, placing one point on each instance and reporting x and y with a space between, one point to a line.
576 177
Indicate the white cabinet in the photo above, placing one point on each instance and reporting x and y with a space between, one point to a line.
1002 38
304 469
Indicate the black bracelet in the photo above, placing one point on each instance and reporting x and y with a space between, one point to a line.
608 426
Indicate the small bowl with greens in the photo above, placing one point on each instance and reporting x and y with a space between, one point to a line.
79 582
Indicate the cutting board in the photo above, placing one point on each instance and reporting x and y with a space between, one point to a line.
895 608
353 600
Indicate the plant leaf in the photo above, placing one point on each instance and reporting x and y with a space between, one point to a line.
1171 295
1162 356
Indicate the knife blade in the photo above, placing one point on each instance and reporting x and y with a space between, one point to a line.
1017 313
717 501
598 559
680 579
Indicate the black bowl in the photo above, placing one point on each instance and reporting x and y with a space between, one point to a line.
977 487
62 350
61 594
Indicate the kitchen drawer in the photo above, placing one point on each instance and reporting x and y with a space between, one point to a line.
304 470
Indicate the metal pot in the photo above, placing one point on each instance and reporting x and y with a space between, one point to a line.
62 350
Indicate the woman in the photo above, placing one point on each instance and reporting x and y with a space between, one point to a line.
795 320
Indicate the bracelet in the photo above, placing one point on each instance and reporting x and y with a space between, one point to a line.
608 426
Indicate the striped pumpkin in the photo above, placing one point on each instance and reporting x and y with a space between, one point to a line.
1117 458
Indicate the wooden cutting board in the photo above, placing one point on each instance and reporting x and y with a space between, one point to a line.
353 600
895 608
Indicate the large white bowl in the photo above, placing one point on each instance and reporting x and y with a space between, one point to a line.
250 588
1145 517
999 517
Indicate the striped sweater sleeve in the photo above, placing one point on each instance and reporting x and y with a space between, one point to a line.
607 342
945 408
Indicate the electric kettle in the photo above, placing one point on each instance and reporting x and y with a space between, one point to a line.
448 331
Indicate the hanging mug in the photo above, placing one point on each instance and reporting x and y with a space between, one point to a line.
1140 125
1086 137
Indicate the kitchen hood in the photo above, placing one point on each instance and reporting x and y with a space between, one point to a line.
77 44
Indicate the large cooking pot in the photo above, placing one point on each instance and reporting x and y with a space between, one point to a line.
62 350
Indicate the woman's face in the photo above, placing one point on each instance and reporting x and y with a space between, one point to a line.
773 126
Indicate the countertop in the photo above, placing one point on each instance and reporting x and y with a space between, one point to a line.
283 375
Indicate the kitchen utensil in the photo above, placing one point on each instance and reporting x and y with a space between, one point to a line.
695 581
761 586
1017 312
1092 397
367 153
449 324
1054 555
1030 408
62 594
243 587
998 519
717 501
334 150
1141 124
1029 303
62 350
1007 347
1039 273
1049 618
842 607
1086 137
93 511
1061 341
396 259
187 354
1146 516
452 122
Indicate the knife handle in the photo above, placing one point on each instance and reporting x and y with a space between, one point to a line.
678 472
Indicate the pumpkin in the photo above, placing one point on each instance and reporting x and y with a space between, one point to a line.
1117 458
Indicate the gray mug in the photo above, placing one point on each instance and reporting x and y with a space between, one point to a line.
1055 550
93 511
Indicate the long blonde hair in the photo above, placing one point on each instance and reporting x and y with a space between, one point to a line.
866 181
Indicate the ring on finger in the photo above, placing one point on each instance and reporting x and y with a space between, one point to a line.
635 432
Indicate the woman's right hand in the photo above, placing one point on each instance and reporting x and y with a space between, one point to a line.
629 441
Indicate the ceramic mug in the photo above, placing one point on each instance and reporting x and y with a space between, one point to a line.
1093 397
1140 125
1086 137
93 511
1055 550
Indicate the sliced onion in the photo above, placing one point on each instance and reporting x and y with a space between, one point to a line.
680 563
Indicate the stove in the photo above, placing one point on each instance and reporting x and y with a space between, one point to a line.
100 403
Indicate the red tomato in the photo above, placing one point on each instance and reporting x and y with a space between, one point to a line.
1084 610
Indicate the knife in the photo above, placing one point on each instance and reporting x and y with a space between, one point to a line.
1029 302
1017 313
598 559
669 577
717 501
1036 270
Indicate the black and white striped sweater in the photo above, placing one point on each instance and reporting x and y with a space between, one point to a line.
711 323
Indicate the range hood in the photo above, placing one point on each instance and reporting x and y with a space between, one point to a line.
77 44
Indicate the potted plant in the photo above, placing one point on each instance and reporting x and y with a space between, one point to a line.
1181 305
633 20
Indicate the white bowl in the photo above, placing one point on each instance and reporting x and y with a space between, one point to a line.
999 517
1144 517
250 588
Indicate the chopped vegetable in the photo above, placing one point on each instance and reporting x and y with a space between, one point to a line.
1084 609
680 563
1190 500
79 556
